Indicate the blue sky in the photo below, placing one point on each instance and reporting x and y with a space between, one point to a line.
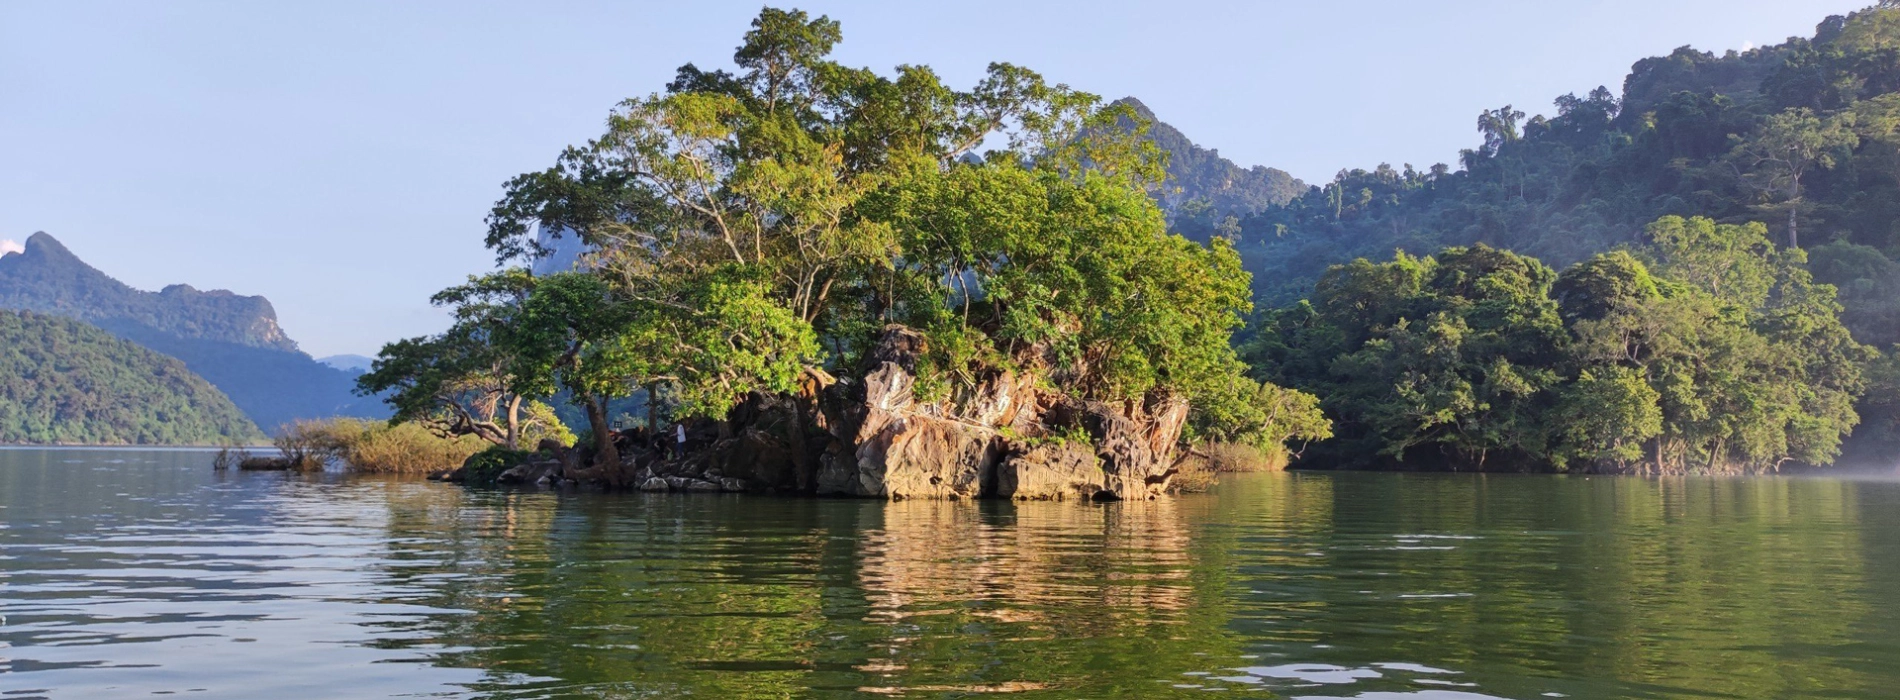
338 157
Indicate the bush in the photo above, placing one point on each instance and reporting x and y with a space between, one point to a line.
1200 470
376 446
482 467
1195 475
1242 457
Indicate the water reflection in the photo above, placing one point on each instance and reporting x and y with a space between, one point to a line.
131 573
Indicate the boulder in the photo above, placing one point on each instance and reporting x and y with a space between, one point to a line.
529 473
902 448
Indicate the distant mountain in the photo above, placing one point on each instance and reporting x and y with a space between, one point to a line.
353 364
63 381
48 278
562 252
232 341
1205 189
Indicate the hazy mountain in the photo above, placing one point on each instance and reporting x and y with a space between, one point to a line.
63 381
1204 189
48 278
353 364
232 341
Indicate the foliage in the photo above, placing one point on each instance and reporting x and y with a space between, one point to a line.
463 382
483 467
62 381
1805 135
1718 354
1193 476
747 226
1244 457
375 446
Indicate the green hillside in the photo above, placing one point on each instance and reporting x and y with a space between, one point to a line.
1799 141
232 341
1207 194
62 381
1803 136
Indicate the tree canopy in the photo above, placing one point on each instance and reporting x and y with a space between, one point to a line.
63 381
746 227
1708 349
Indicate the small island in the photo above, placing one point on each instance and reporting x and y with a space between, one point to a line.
847 283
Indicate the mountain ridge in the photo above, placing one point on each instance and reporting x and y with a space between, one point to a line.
231 340
48 278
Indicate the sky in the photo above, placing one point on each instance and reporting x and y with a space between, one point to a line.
338 157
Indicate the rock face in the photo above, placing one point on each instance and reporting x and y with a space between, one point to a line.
1051 471
902 448
993 440
874 438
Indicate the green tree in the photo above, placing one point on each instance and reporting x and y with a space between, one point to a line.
745 227
1785 148
461 381
1728 357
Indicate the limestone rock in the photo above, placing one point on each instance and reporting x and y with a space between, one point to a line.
1050 472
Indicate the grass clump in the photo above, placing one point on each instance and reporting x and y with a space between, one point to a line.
376 447
1242 457
1200 469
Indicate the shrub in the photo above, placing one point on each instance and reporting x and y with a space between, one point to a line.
1242 457
1195 475
482 467
376 446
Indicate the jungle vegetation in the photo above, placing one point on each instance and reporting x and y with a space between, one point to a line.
1706 349
65 382
747 227
1801 137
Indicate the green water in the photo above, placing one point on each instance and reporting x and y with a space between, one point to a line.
135 573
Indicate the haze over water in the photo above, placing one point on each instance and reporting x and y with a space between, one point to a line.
129 573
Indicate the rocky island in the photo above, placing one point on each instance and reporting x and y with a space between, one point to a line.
844 283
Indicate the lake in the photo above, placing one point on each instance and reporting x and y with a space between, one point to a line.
136 573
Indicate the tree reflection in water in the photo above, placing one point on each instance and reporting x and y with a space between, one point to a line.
1292 584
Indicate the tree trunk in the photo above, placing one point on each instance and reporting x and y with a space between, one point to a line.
1794 231
514 422
604 453
653 417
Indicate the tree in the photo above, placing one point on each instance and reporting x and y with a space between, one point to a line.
463 382
747 228
1785 148
1719 355
1499 127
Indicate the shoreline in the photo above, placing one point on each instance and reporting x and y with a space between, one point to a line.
179 448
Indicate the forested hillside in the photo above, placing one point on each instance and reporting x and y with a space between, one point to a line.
230 340
1799 142
1207 194
62 381
1706 349
1804 136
